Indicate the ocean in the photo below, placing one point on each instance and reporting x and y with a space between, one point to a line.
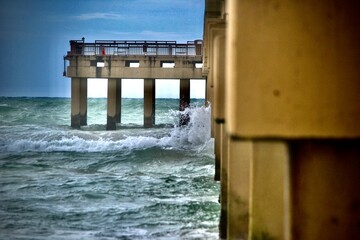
133 183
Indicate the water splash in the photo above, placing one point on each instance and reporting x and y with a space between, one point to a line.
196 132
195 136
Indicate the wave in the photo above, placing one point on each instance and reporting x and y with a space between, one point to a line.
31 138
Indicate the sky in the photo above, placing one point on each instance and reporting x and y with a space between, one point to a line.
35 34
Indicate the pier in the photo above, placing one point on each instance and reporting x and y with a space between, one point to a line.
116 60
283 80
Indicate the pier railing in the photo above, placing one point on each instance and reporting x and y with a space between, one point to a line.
126 48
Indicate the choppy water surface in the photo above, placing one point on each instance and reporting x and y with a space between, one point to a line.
133 183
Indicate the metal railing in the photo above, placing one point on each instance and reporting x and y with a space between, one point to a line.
128 48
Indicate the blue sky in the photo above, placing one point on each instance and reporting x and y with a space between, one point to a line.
35 34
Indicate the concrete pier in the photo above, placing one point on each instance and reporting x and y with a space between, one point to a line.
287 144
117 59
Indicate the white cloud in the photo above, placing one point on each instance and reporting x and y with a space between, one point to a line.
99 15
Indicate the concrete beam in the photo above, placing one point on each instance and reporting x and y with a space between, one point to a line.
78 102
150 67
149 102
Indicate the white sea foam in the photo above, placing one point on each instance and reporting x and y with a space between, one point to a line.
194 136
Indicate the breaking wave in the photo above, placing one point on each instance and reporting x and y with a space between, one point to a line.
35 138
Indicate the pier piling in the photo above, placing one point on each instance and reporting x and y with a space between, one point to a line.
113 103
184 100
149 103
78 102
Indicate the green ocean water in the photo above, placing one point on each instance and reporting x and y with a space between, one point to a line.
133 183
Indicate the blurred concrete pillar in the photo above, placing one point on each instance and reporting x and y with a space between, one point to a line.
325 196
270 190
238 188
258 190
213 26
218 104
218 112
149 102
217 150
224 152
292 94
293 69
78 102
219 75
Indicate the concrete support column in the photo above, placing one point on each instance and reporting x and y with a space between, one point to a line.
113 103
325 195
83 102
270 190
149 102
218 105
118 99
258 190
184 99
280 81
283 85
224 150
238 186
217 150
78 102
184 94
209 99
